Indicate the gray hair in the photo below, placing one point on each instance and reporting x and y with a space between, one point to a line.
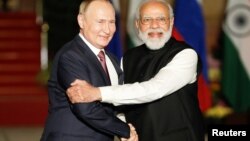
171 13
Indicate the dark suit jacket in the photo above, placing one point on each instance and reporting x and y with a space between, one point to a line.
85 121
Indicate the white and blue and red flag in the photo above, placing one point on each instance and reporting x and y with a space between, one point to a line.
190 27
115 45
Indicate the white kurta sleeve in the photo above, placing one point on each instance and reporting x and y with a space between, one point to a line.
176 74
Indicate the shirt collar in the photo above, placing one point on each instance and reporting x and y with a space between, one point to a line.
93 48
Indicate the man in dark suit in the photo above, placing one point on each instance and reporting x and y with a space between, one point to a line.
160 81
78 59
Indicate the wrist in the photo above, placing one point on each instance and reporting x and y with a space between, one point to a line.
98 94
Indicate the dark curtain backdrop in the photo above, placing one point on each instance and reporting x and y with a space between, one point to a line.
61 16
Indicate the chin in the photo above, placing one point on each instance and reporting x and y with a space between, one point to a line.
104 43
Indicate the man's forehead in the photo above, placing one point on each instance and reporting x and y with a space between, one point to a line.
153 15
96 5
154 7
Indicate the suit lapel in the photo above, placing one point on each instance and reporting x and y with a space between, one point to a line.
117 67
91 58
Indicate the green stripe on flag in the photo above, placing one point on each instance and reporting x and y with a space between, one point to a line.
235 80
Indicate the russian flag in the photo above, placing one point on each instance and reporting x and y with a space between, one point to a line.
190 27
115 45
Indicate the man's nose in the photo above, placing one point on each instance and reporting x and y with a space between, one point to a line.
106 28
154 23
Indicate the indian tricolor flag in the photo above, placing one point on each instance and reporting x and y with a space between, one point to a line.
190 27
236 61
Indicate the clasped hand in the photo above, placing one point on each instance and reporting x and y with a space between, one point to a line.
82 91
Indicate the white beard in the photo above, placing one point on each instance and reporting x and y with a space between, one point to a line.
155 43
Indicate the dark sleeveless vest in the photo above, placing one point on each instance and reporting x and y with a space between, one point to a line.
176 117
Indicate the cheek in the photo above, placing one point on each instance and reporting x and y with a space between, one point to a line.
96 29
112 29
143 28
166 27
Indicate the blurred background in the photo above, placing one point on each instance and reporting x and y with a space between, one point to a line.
32 31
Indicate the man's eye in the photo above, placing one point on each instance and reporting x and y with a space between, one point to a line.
147 20
162 19
100 21
112 22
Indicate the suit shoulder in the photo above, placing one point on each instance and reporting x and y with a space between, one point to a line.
68 51
71 46
135 49
182 44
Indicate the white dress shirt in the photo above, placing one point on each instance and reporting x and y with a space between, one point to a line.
176 74
111 69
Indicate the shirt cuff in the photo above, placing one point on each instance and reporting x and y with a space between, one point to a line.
105 94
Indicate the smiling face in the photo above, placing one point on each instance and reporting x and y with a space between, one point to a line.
154 24
97 23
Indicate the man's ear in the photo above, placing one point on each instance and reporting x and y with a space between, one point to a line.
80 20
172 22
137 24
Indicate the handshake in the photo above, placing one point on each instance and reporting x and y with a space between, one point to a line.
82 92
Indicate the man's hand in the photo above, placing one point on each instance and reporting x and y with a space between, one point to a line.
81 91
133 134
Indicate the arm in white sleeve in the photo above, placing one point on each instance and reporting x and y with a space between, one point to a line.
176 74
